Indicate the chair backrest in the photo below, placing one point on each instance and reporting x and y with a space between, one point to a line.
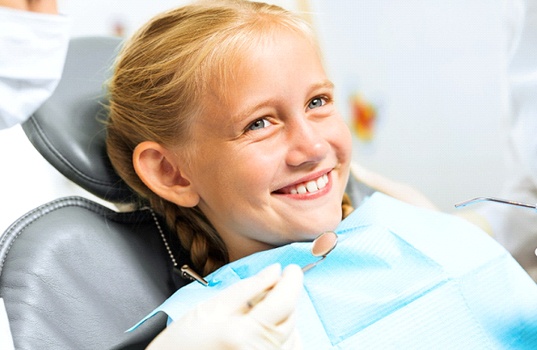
68 130
73 273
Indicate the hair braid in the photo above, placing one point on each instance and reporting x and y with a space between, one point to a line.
196 235
346 206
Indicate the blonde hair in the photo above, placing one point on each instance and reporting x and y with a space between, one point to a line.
161 77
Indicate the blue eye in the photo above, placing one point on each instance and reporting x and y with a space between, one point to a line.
316 103
259 124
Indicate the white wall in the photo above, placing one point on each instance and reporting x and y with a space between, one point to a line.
98 17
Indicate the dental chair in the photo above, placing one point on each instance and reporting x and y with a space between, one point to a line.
75 274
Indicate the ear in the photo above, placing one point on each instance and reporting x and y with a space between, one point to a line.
159 169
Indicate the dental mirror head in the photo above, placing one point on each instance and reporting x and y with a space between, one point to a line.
324 244
321 247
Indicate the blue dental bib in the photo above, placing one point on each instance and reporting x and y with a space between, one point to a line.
400 277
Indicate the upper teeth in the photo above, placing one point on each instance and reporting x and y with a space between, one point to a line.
310 186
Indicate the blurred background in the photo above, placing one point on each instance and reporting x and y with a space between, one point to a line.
421 83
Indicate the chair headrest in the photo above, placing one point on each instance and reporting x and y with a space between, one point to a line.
68 129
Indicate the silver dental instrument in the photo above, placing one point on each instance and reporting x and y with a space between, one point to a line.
491 199
188 273
498 200
321 247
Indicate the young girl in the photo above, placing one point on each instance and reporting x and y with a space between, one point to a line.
222 117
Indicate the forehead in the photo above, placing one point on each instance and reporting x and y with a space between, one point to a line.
267 53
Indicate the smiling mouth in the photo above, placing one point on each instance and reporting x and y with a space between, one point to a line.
306 187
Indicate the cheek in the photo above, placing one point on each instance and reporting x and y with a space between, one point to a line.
254 171
339 136
239 174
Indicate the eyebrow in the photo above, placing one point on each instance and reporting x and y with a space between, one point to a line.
326 84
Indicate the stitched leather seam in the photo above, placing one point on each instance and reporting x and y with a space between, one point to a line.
29 218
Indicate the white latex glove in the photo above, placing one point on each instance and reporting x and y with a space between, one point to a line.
227 322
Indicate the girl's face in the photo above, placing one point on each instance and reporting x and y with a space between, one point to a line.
271 160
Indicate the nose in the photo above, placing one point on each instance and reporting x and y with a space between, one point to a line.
306 142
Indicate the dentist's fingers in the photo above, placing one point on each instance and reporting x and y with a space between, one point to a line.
283 336
14 4
236 297
280 302
42 6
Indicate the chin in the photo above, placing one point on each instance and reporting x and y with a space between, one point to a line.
312 231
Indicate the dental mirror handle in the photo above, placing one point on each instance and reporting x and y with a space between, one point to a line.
312 265
255 300
491 199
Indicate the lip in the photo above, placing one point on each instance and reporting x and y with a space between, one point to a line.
310 177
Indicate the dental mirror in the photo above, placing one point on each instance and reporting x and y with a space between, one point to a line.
321 247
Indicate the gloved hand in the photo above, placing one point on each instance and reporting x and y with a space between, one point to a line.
227 321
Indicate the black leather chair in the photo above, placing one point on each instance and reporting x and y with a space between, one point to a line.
75 274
